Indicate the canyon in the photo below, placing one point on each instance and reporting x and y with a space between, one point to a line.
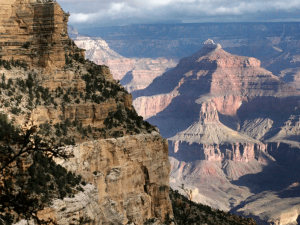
233 131
231 116
133 73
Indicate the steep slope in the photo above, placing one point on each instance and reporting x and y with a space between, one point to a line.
225 116
47 83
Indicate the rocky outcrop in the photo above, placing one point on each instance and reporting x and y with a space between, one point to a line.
275 44
208 139
124 158
98 51
261 207
34 32
213 183
211 75
83 208
145 71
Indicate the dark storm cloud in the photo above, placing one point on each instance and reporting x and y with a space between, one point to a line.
123 12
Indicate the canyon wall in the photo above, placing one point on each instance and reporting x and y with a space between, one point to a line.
123 159
225 127
129 182
34 32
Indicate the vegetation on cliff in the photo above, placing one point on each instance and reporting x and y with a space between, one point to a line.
188 212
29 176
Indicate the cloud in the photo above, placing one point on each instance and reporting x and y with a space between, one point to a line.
123 12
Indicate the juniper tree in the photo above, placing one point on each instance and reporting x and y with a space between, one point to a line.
16 147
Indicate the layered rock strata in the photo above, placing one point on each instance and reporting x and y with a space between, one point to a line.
208 139
130 184
130 173
34 32
224 126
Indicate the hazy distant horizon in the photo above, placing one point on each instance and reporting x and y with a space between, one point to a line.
179 23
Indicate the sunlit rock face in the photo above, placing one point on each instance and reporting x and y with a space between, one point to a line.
127 177
34 32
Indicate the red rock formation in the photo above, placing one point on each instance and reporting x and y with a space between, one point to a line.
217 125
208 139
215 74
149 106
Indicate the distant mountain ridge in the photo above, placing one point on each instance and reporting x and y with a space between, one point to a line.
134 73
276 45
189 37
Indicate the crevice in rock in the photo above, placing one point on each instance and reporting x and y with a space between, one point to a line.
147 180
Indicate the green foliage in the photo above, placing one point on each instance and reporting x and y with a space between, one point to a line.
5 64
66 98
8 129
96 83
29 81
26 45
78 58
19 98
15 110
10 83
82 130
51 180
8 64
68 60
10 93
187 212
128 118
30 190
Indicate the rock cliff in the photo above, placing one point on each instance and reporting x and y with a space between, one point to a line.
224 126
46 82
34 32
126 175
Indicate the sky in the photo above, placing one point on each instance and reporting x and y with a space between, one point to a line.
99 13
